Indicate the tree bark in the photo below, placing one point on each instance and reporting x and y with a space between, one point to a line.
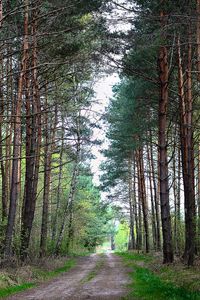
198 78
198 203
198 40
3 170
49 147
153 219
187 152
131 212
175 194
17 143
33 145
138 239
68 211
140 236
76 171
156 196
141 183
163 159
55 221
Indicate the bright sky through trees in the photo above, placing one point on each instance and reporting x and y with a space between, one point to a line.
103 92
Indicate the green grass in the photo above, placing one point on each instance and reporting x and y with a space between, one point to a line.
132 257
44 275
89 277
93 273
5 292
149 286
39 275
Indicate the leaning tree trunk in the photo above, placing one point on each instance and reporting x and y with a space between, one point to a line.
163 159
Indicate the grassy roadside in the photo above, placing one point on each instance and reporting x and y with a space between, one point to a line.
36 275
153 281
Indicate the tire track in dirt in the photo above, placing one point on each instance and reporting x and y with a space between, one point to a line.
94 277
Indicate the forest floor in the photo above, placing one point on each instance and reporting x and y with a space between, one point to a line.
151 280
98 276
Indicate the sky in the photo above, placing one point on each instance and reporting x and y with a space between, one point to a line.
103 92
103 88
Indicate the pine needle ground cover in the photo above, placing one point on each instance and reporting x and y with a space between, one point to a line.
153 281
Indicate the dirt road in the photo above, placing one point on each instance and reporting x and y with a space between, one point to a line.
94 277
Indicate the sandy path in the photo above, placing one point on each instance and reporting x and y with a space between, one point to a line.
108 282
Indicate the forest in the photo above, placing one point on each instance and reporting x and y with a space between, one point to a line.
52 54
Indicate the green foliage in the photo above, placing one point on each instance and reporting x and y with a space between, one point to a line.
121 237
89 216
130 115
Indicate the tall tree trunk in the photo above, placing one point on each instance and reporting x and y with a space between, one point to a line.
68 208
153 221
156 195
131 207
187 151
175 194
68 211
179 202
135 206
71 199
140 223
9 128
198 40
163 159
3 171
33 150
49 147
141 182
198 78
59 184
198 203
47 180
17 142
